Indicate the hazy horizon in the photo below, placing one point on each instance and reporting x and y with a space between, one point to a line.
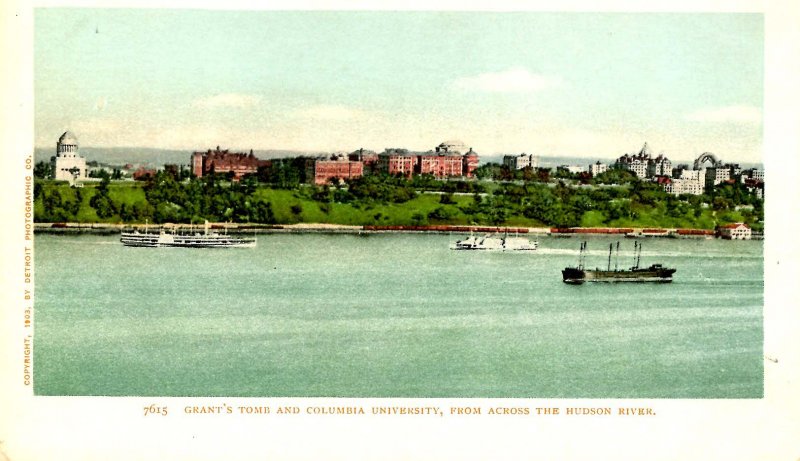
158 157
591 85
656 152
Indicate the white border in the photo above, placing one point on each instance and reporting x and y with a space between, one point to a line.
113 428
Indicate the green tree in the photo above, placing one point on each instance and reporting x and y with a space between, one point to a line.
262 212
103 205
442 213
418 219
101 201
43 170
617 176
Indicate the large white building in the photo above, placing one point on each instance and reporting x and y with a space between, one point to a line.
518 162
598 168
717 175
753 173
680 186
735 231
67 164
659 166
686 181
574 169
636 163
643 165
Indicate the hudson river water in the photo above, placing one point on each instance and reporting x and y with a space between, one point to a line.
394 315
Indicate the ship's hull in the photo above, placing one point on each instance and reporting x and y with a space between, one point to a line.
496 244
652 274
467 248
135 239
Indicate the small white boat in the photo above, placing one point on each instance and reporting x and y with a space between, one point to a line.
496 243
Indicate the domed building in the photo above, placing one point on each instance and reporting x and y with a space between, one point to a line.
452 146
67 164
449 159
471 163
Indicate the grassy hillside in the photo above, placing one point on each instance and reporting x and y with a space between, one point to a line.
510 205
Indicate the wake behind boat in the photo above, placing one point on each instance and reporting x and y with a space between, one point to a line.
197 240
579 274
495 243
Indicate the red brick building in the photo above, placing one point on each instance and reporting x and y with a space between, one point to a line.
142 173
368 157
446 161
363 155
470 163
224 161
439 165
397 162
325 169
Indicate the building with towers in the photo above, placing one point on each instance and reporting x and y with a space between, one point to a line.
644 165
635 163
659 166
448 159
218 161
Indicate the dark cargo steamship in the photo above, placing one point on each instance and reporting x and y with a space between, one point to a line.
579 274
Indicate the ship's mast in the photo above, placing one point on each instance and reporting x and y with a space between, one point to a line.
616 258
639 256
635 247
585 248
610 248
582 255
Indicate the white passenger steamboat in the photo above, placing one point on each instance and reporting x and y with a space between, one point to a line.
496 243
207 239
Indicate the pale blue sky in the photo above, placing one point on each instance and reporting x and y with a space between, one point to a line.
593 85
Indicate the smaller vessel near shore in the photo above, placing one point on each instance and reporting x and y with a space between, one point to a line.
208 239
645 233
491 242
579 274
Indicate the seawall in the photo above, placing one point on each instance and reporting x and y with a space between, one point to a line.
111 228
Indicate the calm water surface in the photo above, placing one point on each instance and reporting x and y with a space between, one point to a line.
394 316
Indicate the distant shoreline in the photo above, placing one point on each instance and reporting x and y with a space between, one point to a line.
106 228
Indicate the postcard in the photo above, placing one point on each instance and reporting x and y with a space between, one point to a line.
424 231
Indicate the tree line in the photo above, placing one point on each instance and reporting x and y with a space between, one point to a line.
167 197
